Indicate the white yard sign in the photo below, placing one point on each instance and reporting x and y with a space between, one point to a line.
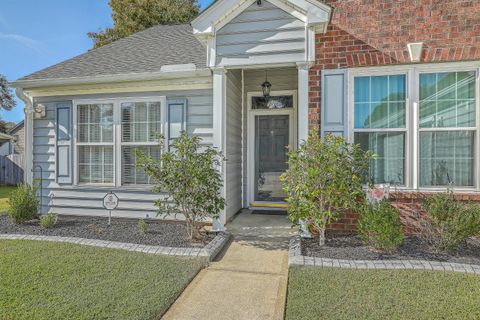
110 202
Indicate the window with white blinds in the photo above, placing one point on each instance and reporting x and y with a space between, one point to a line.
109 133
141 126
95 143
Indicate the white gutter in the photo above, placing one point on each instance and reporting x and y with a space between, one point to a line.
28 157
167 72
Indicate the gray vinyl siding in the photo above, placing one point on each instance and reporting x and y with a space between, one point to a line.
233 165
88 200
261 34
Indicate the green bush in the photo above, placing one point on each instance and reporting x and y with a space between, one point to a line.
24 204
142 226
190 178
324 179
449 222
379 226
48 220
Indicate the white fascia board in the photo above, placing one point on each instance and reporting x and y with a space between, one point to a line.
232 14
317 13
206 21
170 72
287 6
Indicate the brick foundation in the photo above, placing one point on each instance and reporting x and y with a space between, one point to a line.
410 206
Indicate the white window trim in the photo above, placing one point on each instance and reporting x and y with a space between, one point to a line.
412 104
117 136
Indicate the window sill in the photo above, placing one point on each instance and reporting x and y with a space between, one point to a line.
106 188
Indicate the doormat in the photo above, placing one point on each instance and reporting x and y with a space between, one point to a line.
271 212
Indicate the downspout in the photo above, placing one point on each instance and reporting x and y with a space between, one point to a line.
28 155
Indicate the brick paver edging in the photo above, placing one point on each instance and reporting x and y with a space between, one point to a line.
295 258
208 252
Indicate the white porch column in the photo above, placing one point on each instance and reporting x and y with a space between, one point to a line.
303 98
219 136
28 152
302 119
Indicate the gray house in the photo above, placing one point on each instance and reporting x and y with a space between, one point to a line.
251 77
87 115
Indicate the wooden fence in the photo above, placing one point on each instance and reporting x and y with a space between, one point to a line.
11 169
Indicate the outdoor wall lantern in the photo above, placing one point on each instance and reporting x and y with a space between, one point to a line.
266 87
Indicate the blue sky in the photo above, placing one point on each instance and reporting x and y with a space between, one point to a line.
35 34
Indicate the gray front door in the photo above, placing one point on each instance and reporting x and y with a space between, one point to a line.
271 142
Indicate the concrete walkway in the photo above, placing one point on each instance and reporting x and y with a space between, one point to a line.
248 280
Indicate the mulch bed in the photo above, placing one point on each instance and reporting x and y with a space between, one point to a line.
351 247
160 233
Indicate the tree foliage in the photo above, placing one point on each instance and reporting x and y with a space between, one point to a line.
324 179
7 100
130 16
190 179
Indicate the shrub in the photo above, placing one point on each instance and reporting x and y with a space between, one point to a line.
23 203
449 222
48 220
190 178
379 225
142 226
324 179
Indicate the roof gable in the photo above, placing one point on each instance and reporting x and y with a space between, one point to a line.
313 12
259 35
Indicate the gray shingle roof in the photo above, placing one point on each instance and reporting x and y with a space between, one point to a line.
144 51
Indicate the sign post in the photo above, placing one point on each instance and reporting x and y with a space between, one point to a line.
110 202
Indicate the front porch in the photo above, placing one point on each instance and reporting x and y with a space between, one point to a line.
255 131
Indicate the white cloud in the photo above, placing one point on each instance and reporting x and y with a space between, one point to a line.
23 40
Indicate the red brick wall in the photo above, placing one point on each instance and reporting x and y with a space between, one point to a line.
410 206
376 32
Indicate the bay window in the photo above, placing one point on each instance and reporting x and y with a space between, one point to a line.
421 124
109 132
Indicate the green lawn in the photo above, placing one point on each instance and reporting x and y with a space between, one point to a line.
381 294
47 280
4 194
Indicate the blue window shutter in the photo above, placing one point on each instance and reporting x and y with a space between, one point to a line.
176 118
334 102
63 133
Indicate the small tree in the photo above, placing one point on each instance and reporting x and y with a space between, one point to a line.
191 179
324 179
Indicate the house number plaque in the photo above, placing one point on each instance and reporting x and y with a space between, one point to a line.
110 202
